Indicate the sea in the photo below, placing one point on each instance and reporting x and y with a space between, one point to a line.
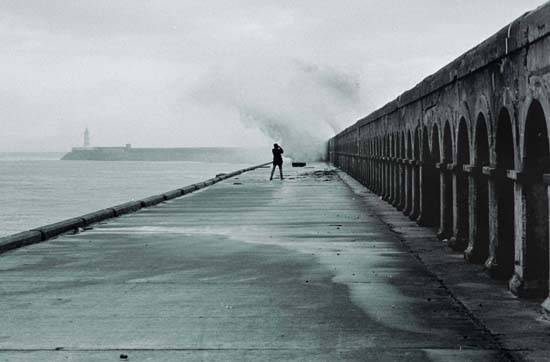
38 188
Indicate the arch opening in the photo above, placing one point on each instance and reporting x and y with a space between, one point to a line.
462 187
504 253
536 163
429 193
481 235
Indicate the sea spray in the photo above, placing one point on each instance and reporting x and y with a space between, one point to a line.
298 105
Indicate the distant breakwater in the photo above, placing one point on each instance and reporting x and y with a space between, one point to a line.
197 154
46 232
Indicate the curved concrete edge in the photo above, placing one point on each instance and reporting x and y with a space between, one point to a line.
98 216
127 207
152 200
19 240
51 230
172 194
43 233
188 189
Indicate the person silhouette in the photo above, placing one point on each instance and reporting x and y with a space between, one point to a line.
277 160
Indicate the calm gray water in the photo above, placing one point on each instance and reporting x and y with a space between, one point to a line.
38 189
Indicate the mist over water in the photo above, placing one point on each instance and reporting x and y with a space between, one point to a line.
299 105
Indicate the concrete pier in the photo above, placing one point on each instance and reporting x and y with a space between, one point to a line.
244 270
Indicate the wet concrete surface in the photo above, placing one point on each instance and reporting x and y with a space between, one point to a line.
516 324
245 270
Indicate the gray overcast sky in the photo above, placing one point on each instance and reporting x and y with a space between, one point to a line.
219 73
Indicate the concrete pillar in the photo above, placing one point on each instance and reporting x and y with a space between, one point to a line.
390 180
372 163
473 252
408 187
443 232
401 191
420 206
378 175
491 264
415 204
387 193
385 179
517 283
365 169
372 166
455 241
370 185
397 182
395 165
546 304
393 195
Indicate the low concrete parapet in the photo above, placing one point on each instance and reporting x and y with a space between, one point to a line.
98 216
188 189
172 194
127 207
152 200
19 240
51 230
46 232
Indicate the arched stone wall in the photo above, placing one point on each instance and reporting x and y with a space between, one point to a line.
476 132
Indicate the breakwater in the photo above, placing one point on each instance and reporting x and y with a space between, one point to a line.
195 154
43 233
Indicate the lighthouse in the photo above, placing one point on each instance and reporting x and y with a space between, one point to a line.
86 138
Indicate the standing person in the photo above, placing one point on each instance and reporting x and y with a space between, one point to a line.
277 160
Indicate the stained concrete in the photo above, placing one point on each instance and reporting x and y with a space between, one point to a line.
245 270
516 324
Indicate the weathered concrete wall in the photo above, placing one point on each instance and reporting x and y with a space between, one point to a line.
467 150
49 231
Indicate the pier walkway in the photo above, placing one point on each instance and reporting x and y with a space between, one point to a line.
244 270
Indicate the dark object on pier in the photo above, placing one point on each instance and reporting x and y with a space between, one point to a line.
298 164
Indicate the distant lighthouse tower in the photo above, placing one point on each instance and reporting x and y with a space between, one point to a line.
86 138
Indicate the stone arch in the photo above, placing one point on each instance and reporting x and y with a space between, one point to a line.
435 143
502 265
482 107
537 93
464 123
536 153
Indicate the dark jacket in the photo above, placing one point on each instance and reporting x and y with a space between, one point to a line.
277 158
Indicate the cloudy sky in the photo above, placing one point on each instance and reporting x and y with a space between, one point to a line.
170 73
